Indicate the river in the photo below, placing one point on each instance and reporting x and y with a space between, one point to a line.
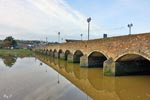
46 78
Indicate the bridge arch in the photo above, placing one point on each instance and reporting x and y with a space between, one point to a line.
102 52
54 50
131 53
96 59
50 52
67 52
55 54
76 56
47 51
60 52
133 63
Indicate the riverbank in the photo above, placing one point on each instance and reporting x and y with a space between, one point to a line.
16 52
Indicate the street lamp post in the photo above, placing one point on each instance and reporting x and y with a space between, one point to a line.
88 20
61 40
58 37
81 36
129 26
46 41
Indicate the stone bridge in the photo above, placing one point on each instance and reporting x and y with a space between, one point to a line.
120 55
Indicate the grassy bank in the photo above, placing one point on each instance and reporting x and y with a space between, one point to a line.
16 52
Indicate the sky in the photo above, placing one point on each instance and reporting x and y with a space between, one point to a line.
41 19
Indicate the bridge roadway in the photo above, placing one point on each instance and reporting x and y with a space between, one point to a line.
122 55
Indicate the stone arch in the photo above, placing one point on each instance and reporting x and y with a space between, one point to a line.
44 50
76 56
102 52
60 52
67 52
50 52
96 59
54 50
132 63
47 51
55 54
131 53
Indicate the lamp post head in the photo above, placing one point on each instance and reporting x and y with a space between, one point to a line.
89 19
130 25
58 33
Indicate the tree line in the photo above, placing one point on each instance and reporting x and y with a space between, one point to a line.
9 42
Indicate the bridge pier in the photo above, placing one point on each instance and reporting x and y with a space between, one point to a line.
84 61
44 52
55 55
62 56
70 58
47 53
109 67
112 68
51 54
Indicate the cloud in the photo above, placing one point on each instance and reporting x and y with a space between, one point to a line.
43 18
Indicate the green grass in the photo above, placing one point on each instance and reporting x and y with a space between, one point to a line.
16 52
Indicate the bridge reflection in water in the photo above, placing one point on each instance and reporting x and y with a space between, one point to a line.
99 87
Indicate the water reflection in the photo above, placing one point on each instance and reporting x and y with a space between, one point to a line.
29 81
9 60
99 87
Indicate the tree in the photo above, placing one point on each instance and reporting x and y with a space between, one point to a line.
9 42
14 43
9 38
6 43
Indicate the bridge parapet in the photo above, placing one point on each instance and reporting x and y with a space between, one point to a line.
110 47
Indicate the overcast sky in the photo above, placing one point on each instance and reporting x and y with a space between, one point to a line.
38 19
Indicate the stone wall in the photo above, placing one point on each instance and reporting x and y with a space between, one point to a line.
114 47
